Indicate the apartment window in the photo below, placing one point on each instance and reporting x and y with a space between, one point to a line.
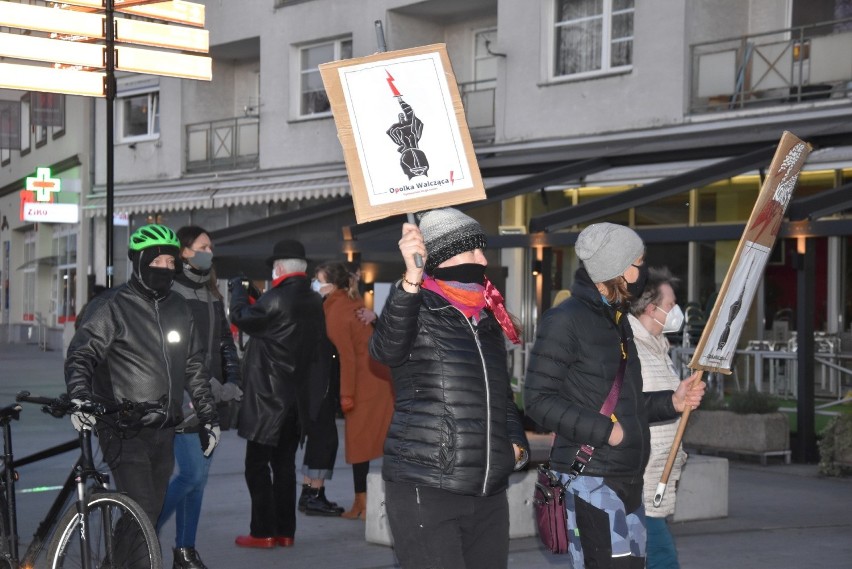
58 129
138 116
592 36
26 140
312 97
40 132
484 62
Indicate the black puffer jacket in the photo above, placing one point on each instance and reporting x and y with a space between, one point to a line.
571 370
286 325
134 347
454 418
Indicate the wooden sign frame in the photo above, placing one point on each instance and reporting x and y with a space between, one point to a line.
401 124
717 346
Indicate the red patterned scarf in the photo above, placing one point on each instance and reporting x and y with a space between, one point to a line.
471 298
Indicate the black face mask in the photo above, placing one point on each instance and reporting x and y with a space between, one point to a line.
157 279
464 273
637 288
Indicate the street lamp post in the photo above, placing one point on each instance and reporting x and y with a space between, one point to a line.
78 71
109 89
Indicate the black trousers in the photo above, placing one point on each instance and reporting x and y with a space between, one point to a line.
141 466
321 448
436 529
271 480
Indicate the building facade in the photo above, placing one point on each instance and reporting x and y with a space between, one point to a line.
571 104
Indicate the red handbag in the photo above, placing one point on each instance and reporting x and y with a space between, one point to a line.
549 495
550 513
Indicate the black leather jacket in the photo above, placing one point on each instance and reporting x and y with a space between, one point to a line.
134 347
454 418
571 369
285 326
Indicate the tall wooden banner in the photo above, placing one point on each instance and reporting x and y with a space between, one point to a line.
715 350
401 123
718 344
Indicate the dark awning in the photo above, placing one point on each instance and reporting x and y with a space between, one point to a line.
275 223
566 173
562 174
609 205
822 204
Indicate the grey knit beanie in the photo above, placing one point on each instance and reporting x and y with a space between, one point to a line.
607 250
448 232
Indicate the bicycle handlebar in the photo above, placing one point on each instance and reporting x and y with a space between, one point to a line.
64 405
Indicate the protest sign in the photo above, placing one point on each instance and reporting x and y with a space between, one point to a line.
405 140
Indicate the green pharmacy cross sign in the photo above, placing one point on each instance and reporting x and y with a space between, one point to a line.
43 185
42 201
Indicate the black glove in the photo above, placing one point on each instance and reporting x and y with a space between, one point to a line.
209 436
235 283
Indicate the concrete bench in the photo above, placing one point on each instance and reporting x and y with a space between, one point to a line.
702 493
521 521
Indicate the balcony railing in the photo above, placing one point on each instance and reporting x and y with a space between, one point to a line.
804 63
227 144
478 101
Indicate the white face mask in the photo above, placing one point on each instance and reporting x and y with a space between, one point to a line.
674 319
322 288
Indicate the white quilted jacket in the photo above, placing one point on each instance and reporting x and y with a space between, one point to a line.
658 374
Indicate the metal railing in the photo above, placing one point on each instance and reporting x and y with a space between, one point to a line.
794 65
226 144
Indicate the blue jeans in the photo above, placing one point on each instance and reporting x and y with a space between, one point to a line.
661 552
186 489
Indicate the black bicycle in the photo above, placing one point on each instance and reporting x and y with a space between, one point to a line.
101 528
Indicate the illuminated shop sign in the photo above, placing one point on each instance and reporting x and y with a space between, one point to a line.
44 202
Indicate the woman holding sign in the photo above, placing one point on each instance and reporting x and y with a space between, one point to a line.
582 348
456 434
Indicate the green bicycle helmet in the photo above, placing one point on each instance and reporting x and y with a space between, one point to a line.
153 235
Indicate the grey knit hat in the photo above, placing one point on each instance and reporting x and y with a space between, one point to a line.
448 232
607 250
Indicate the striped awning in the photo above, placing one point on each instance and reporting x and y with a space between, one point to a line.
177 196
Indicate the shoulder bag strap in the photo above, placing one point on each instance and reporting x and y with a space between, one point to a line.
585 452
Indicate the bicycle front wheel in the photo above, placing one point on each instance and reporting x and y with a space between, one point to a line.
120 536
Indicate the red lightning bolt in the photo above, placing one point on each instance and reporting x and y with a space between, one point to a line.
390 81
451 177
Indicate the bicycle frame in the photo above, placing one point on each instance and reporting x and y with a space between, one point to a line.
81 472
84 470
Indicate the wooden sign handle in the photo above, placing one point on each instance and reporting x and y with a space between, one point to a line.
684 419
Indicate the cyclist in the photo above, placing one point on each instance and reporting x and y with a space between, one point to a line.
138 342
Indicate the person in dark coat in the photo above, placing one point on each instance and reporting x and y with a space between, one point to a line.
286 326
139 342
456 434
196 282
578 350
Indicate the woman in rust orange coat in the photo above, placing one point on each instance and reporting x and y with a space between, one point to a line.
366 392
